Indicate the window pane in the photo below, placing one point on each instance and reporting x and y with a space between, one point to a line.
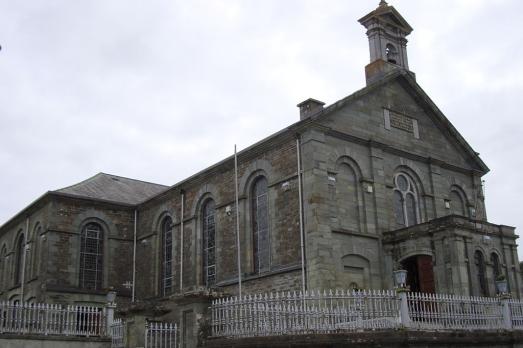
398 208
402 183
260 227
91 257
411 210
167 256
209 243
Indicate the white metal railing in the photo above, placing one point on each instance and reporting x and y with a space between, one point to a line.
118 333
516 313
303 313
161 335
438 311
51 319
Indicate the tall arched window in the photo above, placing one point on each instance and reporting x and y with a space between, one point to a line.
496 265
19 259
260 226
3 268
209 243
347 198
91 256
479 261
406 210
167 256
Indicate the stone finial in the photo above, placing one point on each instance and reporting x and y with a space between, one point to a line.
383 3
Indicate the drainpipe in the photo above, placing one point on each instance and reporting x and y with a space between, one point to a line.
302 234
238 251
182 192
24 251
134 254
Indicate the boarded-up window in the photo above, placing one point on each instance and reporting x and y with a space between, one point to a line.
457 206
347 198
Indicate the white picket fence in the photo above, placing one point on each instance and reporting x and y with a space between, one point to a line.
338 311
302 313
118 333
51 319
161 335
437 311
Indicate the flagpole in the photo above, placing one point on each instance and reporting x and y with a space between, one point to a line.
237 223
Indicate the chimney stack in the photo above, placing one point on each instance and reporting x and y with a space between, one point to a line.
310 107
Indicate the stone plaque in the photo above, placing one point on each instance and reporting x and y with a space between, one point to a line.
402 122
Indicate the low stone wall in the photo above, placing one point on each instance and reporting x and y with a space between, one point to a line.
34 341
383 339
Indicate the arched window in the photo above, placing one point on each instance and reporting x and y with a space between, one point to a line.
405 201
209 243
167 256
260 226
479 261
3 268
19 259
91 256
347 198
496 265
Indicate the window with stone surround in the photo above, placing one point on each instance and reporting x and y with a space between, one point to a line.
479 262
19 259
496 265
91 256
209 243
166 279
3 268
405 200
260 225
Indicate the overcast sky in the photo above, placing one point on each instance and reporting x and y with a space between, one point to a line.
157 90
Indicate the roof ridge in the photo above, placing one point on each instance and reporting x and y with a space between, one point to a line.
137 180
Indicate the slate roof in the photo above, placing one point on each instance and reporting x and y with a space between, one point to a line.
114 188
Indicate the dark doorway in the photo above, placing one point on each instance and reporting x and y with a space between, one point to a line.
420 273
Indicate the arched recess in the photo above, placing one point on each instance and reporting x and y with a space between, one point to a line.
458 201
357 272
349 200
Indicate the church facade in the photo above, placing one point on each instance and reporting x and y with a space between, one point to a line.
377 181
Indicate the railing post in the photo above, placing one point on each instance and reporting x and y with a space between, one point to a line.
505 310
404 307
109 311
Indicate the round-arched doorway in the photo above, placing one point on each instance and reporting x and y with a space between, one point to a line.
420 273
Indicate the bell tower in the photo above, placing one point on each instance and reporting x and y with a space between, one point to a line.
387 31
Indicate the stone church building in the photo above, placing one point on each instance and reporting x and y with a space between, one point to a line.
384 181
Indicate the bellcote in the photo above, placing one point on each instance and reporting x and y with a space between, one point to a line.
387 31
